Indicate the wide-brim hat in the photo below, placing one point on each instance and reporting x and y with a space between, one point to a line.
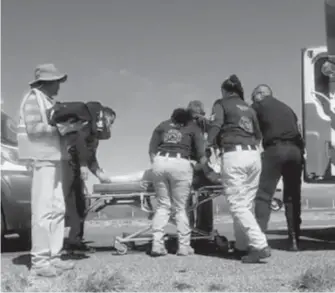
48 72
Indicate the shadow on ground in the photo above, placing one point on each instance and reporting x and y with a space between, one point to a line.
311 239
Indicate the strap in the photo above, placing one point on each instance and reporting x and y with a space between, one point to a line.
40 101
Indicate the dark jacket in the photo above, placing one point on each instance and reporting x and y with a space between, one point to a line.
278 122
186 140
234 123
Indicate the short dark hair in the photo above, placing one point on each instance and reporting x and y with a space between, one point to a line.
181 116
233 85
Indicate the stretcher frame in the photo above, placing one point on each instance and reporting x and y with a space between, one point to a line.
142 201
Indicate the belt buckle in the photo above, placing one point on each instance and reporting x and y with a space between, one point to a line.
238 147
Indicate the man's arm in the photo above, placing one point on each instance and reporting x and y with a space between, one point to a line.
216 124
33 119
199 145
92 161
155 141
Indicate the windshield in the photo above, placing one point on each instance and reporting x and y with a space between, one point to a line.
8 130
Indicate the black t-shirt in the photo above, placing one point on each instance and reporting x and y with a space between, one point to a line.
277 121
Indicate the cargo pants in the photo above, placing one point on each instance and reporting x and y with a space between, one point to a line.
172 180
48 211
241 171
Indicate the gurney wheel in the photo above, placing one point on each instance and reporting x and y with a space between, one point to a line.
276 204
222 243
121 248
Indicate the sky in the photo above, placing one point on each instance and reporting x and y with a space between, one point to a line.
144 58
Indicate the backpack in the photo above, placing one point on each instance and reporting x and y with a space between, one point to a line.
80 113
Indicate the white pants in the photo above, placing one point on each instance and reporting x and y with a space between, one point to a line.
172 179
241 170
48 211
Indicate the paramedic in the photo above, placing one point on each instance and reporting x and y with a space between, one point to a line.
76 203
41 143
237 127
204 213
283 156
170 150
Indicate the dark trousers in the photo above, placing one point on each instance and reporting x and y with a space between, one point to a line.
205 216
282 159
76 205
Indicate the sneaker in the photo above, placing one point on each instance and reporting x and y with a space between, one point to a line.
255 255
47 272
238 254
62 265
185 250
158 251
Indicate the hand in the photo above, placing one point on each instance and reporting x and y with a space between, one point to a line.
103 177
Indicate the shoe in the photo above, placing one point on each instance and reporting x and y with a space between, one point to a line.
255 255
293 242
185 250
158 251
63 265
293 227
47 272
238 254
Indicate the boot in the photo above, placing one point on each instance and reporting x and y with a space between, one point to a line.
292 227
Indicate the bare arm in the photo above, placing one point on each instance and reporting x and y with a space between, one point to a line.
92 162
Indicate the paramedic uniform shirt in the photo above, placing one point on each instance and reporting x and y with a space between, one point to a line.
234 122
277 121
171 138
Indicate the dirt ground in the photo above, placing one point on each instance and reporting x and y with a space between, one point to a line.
311 269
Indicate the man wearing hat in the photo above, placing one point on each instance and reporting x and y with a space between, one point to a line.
41 143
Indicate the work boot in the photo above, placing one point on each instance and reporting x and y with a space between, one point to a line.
62 265
255 255
293 227
46 271
158 251
185 250
238 254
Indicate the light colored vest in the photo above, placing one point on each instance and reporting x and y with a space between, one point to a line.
43 148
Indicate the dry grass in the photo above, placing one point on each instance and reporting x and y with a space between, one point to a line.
137 272
102 280
316 279
104 272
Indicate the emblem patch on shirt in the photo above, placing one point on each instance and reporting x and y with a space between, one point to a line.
242 107
246 124
173 136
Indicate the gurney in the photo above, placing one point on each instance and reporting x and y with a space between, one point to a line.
139 195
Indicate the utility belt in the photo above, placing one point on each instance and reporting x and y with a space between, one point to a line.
172 155
236 148
275 142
